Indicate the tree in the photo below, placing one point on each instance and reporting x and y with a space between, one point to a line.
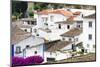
77 6
19 8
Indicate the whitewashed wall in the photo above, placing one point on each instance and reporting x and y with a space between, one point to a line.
86 32
40 22
28 29
31 41
68 47
56 18
39 49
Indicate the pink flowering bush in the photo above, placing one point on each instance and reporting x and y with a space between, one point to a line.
19 61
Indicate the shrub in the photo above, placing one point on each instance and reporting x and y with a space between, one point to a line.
18 61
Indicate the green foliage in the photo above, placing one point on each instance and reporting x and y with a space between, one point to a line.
77 6
18 15
31 14
19 8
80 52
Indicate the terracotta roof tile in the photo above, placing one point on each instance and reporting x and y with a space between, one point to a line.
63 12
72 32
65 22
71 18
56 45
90 16
77 13
57 11
17 35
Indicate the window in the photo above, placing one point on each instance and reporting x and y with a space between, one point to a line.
68 26
79 22
18 49
51 18
68 9
50 53
56 54
44 19
94 46
76 39
35 30
25 30
90 23
82 50
28 22
50 59
31 30
32 23
35 52
73 47
37 35
59 26
70 39
82 16
63 38
46 24
78 26
90 36
88 45
86 50
27 46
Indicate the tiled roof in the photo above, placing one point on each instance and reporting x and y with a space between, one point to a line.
27 19
46 30
21 24
90 16
71 18
72 32
45 12
25 26
65 22
17 34
56 45
57 11
86 57
63 12
77 13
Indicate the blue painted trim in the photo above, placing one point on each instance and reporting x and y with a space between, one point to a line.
12 50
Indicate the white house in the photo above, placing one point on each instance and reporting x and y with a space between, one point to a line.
57 50
89 33
24 44
29 46
50 16
47 19
66 31
26 24
74 36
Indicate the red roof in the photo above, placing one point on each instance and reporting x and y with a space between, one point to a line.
57 11
77 13
71 18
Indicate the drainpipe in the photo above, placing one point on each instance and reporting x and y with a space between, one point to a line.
43 50
24 52
74 44
31 31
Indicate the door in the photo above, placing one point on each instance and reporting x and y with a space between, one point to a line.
12 49
59 26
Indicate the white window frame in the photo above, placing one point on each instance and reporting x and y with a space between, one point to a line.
90 36
51 18
90 24
18 49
